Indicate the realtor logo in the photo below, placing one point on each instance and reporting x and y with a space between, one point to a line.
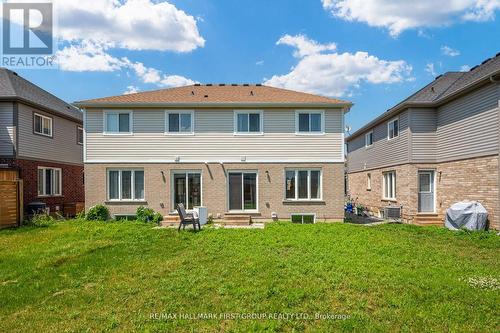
27 28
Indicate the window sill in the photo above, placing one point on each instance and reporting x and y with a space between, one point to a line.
127 202
51 196
389 200
178 134
304 202
248 134
309 133
117 134
44 135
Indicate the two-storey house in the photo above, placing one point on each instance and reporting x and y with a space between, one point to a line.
437 147
41 140
246 149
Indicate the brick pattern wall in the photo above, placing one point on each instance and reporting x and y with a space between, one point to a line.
72 182
471 179
271 185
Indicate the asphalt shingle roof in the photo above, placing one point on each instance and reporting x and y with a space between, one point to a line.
14 86
217 94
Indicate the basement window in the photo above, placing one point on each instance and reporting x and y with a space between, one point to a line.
303 218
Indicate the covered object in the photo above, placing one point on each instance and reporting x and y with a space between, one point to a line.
466 215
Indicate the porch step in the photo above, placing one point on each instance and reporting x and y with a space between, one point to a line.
237 219
428 219
170 220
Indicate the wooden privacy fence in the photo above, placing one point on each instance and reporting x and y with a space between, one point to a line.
11 198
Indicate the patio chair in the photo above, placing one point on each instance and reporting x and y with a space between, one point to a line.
187 218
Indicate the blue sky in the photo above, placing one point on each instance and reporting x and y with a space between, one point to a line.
347 49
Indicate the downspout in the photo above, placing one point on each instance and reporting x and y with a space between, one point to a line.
497 81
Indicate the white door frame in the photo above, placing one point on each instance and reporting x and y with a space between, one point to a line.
432 173
243 210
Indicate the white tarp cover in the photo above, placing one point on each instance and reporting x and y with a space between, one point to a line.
466 215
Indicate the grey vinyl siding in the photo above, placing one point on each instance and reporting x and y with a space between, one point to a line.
7 133
468 126
214 139
423 131
383 152
62 147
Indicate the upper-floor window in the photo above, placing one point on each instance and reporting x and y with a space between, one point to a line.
125 185
369 139
390 185
179 122
118 122
302 184
49 181
79 135
309 122
42 125
248 122
393 128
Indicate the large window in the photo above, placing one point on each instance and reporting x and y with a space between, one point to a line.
248 122
390 185
393 128
186 188
303 184
125 185
49 181
42 125
309 122
179 122
369 139
79 135
118 122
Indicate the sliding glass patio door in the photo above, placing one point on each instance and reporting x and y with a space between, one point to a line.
242 191
186 189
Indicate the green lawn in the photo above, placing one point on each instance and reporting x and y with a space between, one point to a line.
86 276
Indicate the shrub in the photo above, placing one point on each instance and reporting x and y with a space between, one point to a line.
97 213
145 214
40 221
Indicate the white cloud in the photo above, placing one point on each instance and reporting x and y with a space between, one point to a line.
398 16
94 57
429 68
446 50
131 90
465 68
305 46
335 74
128 24
260 63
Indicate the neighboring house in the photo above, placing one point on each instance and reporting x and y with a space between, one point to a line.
437 147
246 149
41 137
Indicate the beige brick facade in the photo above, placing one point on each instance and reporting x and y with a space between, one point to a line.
271 187
469 179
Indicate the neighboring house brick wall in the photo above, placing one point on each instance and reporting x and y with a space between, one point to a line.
214 188
72 181
471 179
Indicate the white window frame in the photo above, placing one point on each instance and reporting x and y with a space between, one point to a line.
51 121
296 198
179 112
367 135
389 128
321 112
120 170
261 122
187 173
130 120
393 183
368 181
256 172
79 128
44 184
302 214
